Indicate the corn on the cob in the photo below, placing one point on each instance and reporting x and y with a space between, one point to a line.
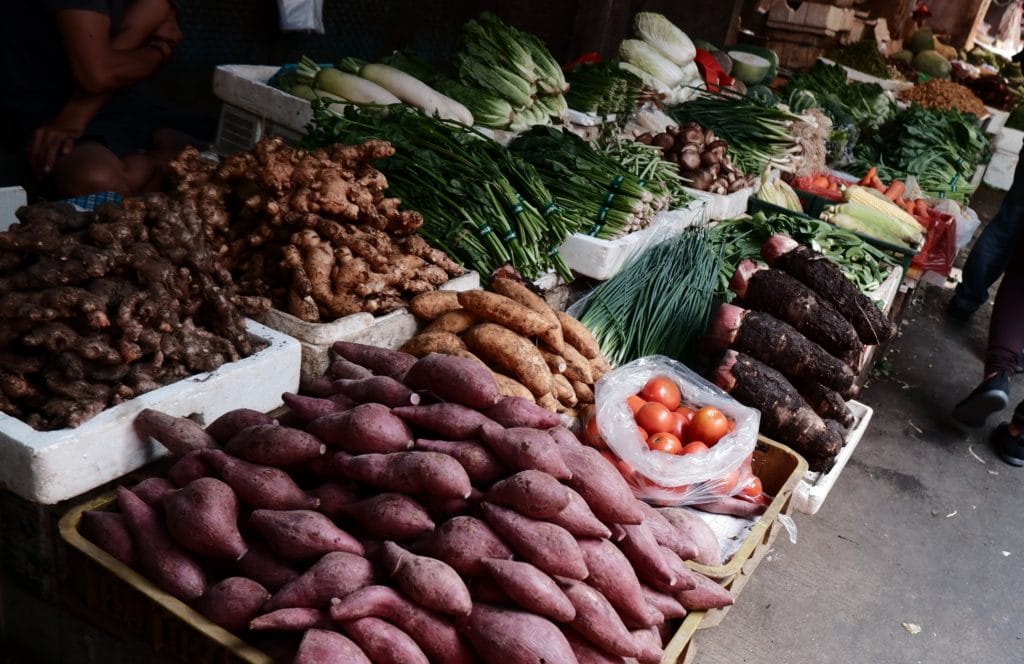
873 199
874 223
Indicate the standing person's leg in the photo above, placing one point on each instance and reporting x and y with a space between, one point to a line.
90 168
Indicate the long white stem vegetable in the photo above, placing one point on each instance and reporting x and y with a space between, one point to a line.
353 88
413 91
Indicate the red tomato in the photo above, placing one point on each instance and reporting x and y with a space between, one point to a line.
686 412
709 424
665 442
752 488
727 484
654 417
694 447
678 425
643 434
594 436
662 390
635 403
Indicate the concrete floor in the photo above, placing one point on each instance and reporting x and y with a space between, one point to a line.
924 526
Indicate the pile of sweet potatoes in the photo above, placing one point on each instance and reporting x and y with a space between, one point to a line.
410 513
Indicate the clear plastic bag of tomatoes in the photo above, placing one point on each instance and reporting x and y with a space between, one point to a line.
662 467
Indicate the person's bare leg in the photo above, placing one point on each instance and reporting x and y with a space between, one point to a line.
144 172
88 169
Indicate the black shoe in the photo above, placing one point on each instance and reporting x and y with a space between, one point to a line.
958 313
1010 448
989 397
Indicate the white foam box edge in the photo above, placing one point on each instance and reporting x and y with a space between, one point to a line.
50 466
1009 140
996 120
245 86
11 198
602 259
724 206
1000 169
810 493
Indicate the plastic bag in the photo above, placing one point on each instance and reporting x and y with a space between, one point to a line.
668 479
301 15
939 250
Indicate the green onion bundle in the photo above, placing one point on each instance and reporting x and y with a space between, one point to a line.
649 165
604 89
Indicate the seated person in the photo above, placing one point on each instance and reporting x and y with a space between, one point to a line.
71 71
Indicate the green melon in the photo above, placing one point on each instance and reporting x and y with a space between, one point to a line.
932 64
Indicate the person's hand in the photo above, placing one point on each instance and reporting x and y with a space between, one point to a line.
49 144
169 31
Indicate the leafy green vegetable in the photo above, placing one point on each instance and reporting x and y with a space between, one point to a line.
603 88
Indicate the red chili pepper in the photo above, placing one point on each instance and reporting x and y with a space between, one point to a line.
591 58
711 70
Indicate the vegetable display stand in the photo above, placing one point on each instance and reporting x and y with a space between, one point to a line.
724 206
681 649
602 259
50 466
996 120
999 173
253 109
889 84
389 330
813 489
120 598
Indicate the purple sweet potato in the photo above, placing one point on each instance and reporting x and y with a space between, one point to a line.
485 589
189 468
691 527
160 558
502 636
463 542
454 379
685 577
667 605
523 448
667 535
179 435
381 361
274 445
597 620
441 509
732 506
587 653
435 635
429 582
341 368
532 493
377 389
321 646
334 496
233 602
153 490
227 425
203 518
383 642
519 412
108 531
612 574
705 596
642 550
295 619
320 387
649 642
408 472
308 409
369 428
598 481
259 487
530 588
302 534
480 464
579 520
549 547
449 420
335 575
260 564
390 516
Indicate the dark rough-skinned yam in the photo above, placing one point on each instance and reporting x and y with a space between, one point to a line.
530 588
227 425
260 564
108 531
666 604
785 416
449 420
369 428
706 595
308 409
532 493
502 636
455 379
377 389
179 435
586 652
320 646
463 542
577 335
482 466
613 575
233 602
259 487
203 518
153 490
383 642
295 619
642 550
578 518
521 412
159 557
512 353
690 527
778 345
667 535
302 534
523 448
188 468
826 279
274 445
408 472
337 574
381 361
598 481
549 547
597 620
429 582
788 299
826 402
435 635
390 516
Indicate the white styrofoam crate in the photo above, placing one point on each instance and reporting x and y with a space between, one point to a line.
724 206
810 493
996 120
1009 140
50 466
11 198
999 173
390 330
602 259
811 17
585 119
245 86
890 84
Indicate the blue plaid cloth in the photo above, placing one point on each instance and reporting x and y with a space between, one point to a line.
93 201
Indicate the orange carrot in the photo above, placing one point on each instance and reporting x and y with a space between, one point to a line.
870 175
895 191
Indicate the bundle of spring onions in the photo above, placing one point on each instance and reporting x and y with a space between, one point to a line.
589 186
512 65
604 89
480 202
757 136
646 162
659 303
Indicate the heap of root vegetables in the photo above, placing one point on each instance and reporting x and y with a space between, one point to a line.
96 309
313 231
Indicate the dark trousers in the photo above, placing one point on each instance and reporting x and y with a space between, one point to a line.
1006 329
